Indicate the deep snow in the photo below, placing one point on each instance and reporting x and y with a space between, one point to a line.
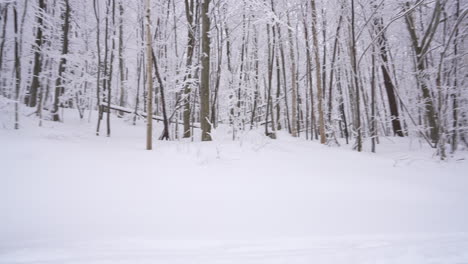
68 196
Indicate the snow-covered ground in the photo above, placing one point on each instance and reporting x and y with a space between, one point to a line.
68 196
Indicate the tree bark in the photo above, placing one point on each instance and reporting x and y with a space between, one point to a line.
17 66
165 133
420 50
294 106
355 73
149 79
121 56
59 88
37 57
323 138
205 74
389 87
189 11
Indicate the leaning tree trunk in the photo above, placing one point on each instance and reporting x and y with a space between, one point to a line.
388 83
420 50
165 133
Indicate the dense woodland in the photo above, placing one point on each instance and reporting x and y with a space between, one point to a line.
338 71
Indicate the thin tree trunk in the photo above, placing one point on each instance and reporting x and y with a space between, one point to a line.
332 68
165 133
454 143
285 86
98 48
256 66
17 66
189 12
309 77
149 72
271 56
121 57
373 119
356 81
342 107
2 46
214 102
294 96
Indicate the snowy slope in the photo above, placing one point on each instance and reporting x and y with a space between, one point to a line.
67 196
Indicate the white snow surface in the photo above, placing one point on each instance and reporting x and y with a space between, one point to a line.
69 196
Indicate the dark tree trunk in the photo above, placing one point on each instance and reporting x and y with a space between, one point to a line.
165 134
59 88
389 87
32 98
2 45
189 11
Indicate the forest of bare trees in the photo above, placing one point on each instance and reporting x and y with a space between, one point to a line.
339 72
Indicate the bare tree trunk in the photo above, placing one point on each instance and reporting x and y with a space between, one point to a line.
332 68
98 47
32 101
121 57
420 50
283 67
189 12
389 87
165 133
205 74
342 107
318 69
309 78
214 116
454 143
111 71
17 66
356 81
59 88
373 119
271 56
149 72
256 66
293 82
2 46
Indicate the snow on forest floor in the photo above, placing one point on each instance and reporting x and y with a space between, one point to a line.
68 196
